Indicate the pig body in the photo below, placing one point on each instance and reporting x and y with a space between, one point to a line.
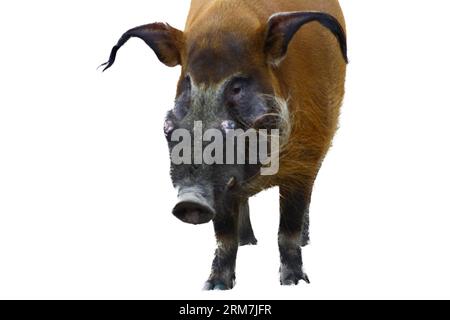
243 62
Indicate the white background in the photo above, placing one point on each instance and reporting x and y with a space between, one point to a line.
85 193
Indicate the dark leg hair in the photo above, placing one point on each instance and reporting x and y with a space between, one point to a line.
304 240
293 233
246 235
223 268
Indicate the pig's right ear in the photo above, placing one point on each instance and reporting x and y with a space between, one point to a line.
165 41
282 27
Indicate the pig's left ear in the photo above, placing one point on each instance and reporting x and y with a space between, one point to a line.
165 41
282 27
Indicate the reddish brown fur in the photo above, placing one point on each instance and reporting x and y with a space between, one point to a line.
230 39
311 76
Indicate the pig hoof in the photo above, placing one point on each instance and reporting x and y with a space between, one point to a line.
293 277
218 285
248 242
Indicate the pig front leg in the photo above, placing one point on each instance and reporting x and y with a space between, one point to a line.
246 235
222 275
293 233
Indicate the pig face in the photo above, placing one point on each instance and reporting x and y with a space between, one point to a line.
210 163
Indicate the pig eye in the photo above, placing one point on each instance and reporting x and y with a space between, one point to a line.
236 90
245 104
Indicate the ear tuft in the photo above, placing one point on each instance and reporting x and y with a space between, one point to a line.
165 41
283 26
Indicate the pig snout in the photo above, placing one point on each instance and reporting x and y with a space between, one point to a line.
194 207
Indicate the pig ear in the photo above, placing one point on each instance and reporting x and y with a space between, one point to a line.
282 27
165 41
